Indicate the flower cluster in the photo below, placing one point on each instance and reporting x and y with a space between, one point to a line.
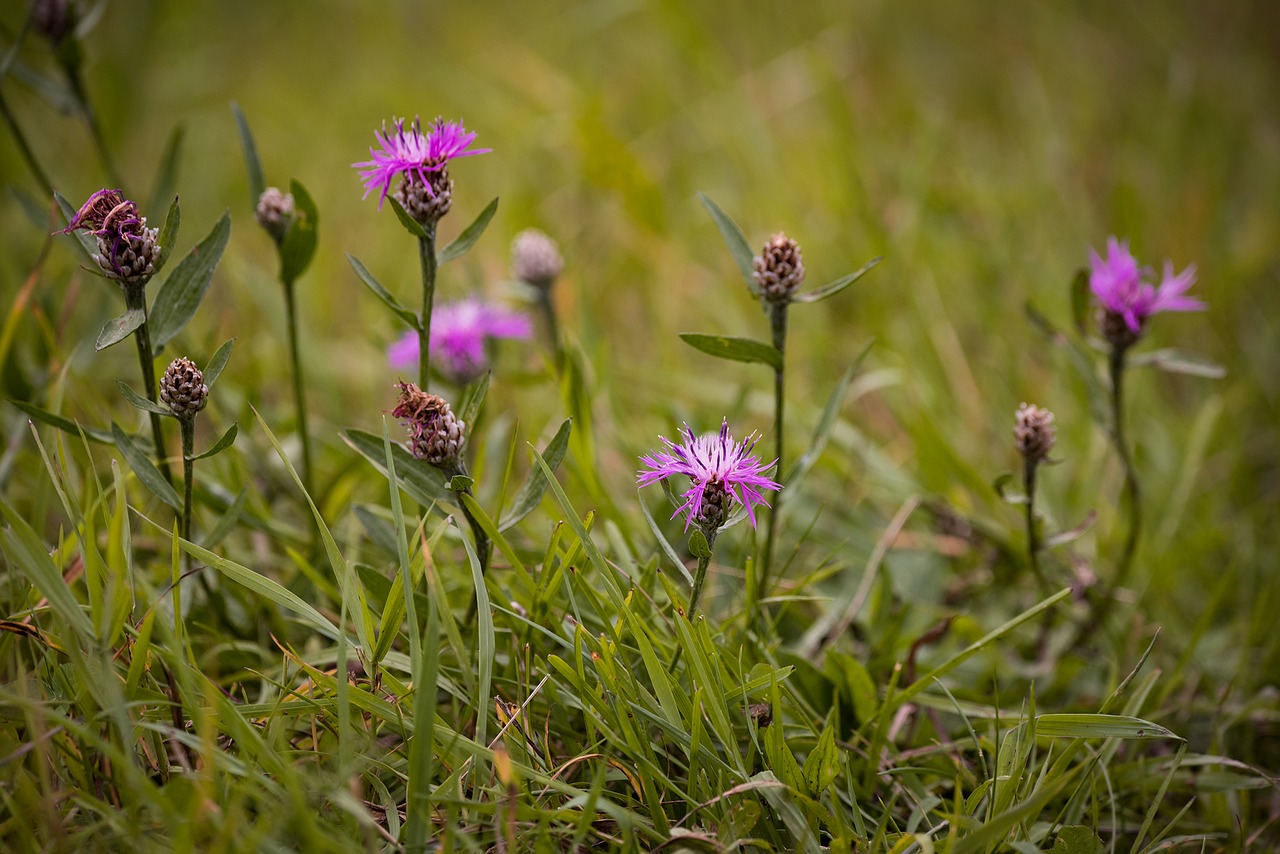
459 333
418 158
435 433
720 471
1126 296
127 249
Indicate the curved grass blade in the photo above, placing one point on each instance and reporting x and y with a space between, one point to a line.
252 165
535 485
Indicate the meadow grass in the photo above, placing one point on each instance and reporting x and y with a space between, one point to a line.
901 681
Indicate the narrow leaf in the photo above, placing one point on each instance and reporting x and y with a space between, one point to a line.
1098 726
64 424
219 361
535 484
739 248
166 180
257 184
469 235
168 236
1175 361
30 554
832 288
141 402
1072 534
119 328
222 444
181 294
382 293
1080 300
476 393
827 421
411 225
734 349
299 244
145 470
424 483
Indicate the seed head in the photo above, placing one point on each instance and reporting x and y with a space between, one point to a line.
274 212
182 388
1033 432
535 258
779 269
435 433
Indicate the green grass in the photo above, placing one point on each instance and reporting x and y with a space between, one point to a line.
903 684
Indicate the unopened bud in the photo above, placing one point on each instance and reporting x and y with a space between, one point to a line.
1033 432
274 212
779 269
535 258
182 388
426 202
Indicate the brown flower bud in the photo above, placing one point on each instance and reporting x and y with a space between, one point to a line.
274 212
779 269
435 433
1033 432
182 388
535 258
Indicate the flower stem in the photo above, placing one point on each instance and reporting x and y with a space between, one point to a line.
27 154
299 396
1033 538
553 329
135 297
700 577
778 325
427 257
1132 492
188 479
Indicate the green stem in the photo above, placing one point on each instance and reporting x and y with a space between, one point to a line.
700 577
778 325
553 329
188 479
135 297
1033 538
27 154
1132 492
299 395
76 79
427 257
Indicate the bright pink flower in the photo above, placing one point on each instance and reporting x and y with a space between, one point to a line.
410 151
1121 287
459 332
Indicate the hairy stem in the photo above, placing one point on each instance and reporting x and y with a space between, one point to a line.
427 257
299 394
135 297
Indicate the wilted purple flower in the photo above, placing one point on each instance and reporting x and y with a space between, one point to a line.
1118 283
459 332
719 471
127 248
409 151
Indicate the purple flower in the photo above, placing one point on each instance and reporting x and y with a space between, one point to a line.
408 151
1121 287
459 332
719 470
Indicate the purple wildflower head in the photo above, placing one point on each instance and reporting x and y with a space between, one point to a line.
1126 296
719 471
459 333
407 151
127 248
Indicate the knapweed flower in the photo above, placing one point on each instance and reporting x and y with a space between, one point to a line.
1033 432
459 333
435 433
778 269
720 471
127 249
535 258
182 388
1128 299
419 159
274 212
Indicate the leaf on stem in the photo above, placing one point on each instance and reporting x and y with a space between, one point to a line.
252 165
119 328
180 295
469 235
145 470
698 545
423 483
141 402
1175 361
832 288
382 293
535 485
64 424
411 225
739 248
168 236
222 444
1072 534
299 244
734 349
219 361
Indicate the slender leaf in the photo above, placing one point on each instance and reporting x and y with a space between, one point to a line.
739 248
476 393
469 235
166 180
25 548
1080 300
667 548
64 424
145 470
734 349
219 362
1072 534
1175 361
299 244
827 421
168 236
257 184
119 328
222 444
411 225
422 482
832 288
1098 726
382 293
141 402
535 485
181 294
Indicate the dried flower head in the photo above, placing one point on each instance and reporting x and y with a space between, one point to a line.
435 433
53 19
779 269
1127 299
459 334
720 471
535 258
1033 432
127 249
409 153
182 388
275 211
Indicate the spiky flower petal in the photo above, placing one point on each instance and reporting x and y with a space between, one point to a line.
408 151
459 334
1126 296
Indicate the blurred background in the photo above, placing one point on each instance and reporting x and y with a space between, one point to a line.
981 150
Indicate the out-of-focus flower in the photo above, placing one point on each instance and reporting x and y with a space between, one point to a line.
535 258
459 334
182 388
720 471
778 269
274 212
409 153
127 248
1128 298
1033 432
435 433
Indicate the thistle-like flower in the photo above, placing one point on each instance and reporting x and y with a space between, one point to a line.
720 472
182 388
419 160
779 269
435 433
459 334
1033 432
274 212
1127 299
535 258
127 249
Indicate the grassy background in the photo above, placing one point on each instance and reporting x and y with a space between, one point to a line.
981 155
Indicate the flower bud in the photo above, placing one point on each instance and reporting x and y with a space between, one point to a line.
1033 432
182 388
274 212
779 269
1116 330
435 433
535 258
714 508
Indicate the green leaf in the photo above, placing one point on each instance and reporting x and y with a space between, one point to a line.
469 235
64 424
832 288
739 248
422 482
411 225
219 361
1080 300
461 483
222 444
299 244
29 553
531 491
181 294
734 349
382 293
146 470
1077 839
823 763
476 393
119 328
168 236
166 180
698 545
1001 485
141 402
257 184
667 548
1175 361
1098 726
